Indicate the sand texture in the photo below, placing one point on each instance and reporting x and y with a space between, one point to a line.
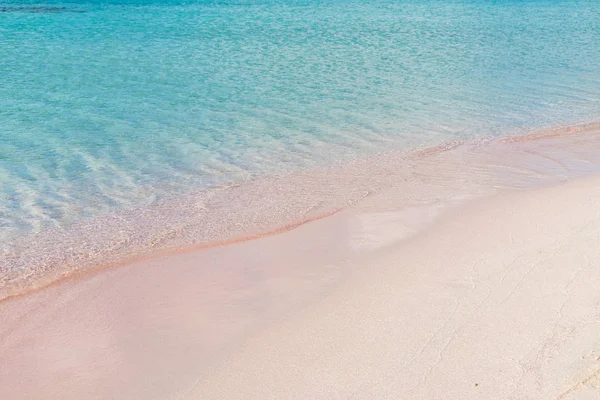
498 301
498 298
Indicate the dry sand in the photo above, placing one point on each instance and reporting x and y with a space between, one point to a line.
498 301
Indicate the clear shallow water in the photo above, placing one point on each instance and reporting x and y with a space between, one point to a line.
111 105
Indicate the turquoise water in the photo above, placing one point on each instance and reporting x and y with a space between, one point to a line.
111 105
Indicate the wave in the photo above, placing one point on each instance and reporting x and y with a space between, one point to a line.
274 204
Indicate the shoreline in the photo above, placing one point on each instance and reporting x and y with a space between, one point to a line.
97 269
89 256
187 327
177 324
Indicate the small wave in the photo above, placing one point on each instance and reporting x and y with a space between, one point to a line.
553 132
275 204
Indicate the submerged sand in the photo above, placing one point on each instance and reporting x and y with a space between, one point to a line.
437 289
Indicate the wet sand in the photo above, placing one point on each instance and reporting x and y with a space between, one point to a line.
475 278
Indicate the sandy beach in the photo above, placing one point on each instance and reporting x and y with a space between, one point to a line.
316 199
495 297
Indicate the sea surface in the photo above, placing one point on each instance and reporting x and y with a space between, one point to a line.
120 119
